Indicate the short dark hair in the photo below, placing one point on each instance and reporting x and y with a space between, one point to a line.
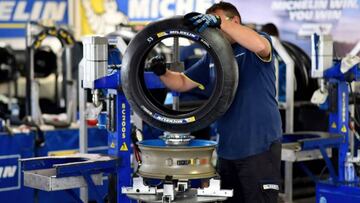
229 9
271 29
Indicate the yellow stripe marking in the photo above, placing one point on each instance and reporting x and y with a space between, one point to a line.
12 25
160 34
191 119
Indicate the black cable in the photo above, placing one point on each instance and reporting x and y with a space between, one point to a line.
39 136
136 148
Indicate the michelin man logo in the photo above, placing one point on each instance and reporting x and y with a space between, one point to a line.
107 21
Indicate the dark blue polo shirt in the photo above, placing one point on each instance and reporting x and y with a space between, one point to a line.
253 120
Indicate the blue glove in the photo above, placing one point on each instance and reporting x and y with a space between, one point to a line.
203 21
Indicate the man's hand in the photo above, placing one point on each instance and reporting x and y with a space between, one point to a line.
157 65
202 21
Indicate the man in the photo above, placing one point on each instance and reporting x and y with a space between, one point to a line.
250 131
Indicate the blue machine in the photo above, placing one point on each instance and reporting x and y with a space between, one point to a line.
119 140
340 188
343 184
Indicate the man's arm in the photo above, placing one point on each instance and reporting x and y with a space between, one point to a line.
181 82
247 38
177 81
233 30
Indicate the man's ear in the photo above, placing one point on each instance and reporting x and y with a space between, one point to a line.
236 19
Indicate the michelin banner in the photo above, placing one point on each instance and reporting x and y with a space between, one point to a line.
298 19
14 14
149 10
102 16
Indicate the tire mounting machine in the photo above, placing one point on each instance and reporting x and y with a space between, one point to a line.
174 165
336 77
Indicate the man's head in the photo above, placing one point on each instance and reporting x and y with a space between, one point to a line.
226 11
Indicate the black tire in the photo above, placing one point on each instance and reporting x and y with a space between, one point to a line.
7 57
312 83
302 63
45 62
156 114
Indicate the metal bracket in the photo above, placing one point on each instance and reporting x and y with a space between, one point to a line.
168 192
182 185
138 187
214 190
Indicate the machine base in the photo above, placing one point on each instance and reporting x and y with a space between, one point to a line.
189 196
328 192
144 193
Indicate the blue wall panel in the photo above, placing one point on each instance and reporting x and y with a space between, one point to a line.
12 148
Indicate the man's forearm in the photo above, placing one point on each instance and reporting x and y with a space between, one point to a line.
176 81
